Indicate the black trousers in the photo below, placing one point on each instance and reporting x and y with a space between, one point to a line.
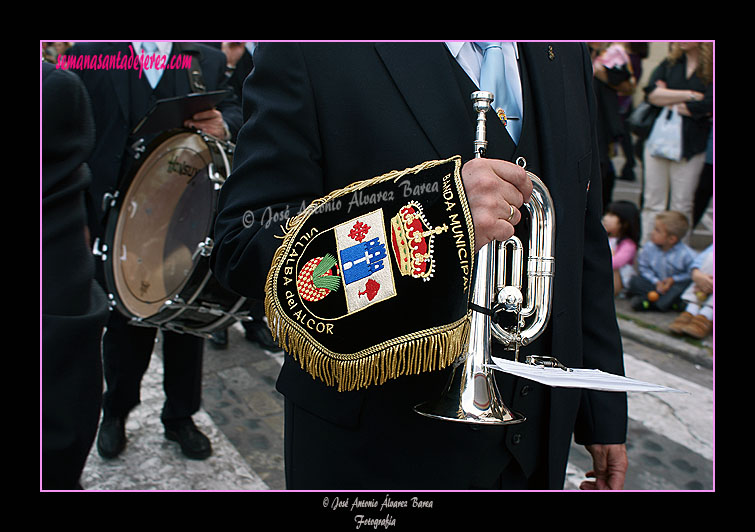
127 350
323 455
71 393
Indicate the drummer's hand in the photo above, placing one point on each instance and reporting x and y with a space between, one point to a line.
491 186
210 122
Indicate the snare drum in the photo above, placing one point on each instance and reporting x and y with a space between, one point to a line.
157 242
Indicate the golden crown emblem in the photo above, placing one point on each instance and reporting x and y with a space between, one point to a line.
412 241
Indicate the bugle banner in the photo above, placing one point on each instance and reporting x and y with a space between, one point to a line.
372 281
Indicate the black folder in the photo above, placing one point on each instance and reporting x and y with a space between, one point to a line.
170 113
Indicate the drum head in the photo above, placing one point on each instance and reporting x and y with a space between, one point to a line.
165 213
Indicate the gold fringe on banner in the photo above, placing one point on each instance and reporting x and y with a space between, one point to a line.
422 351
418 353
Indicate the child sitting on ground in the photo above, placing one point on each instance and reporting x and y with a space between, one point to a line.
622 223
697 319
663 265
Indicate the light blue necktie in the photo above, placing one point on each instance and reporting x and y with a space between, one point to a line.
153 74
493 79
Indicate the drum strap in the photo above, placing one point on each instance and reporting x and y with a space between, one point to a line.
196 79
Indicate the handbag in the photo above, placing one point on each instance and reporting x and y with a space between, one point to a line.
641 120
665 139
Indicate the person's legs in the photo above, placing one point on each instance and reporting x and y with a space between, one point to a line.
684 177
126 352
654 193
182 382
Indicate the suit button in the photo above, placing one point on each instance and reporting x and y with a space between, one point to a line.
525 390
516 438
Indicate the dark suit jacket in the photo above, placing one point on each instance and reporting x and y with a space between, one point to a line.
240 72
326 115
74 308
109 91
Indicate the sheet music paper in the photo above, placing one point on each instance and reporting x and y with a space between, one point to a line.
592 379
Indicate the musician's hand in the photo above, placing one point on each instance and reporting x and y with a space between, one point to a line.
609 467
491 186
211 122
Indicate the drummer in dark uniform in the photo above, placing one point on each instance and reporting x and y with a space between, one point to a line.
120 99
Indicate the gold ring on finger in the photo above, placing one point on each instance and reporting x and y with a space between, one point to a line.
511 214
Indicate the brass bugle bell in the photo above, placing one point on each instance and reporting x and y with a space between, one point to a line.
472 395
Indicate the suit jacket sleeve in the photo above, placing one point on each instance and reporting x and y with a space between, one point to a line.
67 141
276 170
602 416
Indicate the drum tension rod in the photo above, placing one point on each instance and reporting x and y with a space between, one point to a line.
204 248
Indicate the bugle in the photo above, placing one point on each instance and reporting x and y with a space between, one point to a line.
472 395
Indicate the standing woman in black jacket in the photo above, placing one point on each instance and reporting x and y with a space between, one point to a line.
684 80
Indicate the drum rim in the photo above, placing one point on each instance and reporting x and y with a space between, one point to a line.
191 287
